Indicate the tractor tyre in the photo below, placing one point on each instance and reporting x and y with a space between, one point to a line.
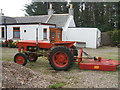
20 58
32 58
75 51
61 58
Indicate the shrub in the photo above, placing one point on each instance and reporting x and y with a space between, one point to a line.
114 35
5 44
9 43
14 44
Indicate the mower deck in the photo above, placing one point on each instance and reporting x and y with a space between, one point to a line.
104 65
95 64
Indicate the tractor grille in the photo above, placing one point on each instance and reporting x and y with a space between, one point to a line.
31 48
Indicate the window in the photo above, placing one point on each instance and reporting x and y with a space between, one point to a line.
45 34
53 33
3 32
59 35
16 32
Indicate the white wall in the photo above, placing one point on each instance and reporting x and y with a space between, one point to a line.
70 23
88 35
30 33
41 28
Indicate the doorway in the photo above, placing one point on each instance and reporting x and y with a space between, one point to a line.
55 34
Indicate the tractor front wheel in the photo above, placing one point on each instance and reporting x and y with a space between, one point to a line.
20 58
61 58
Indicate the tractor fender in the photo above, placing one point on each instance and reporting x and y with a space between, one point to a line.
68 44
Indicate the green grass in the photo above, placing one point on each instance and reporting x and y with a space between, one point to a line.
8 59
43 64
101 78
57 85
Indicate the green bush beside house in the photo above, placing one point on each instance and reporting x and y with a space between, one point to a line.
114 36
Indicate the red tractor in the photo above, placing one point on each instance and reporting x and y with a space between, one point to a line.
61 54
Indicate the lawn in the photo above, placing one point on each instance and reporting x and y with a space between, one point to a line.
74 78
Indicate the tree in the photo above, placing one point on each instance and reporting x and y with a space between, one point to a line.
36 8
102 15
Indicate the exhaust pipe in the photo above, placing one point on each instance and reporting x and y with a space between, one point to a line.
37 38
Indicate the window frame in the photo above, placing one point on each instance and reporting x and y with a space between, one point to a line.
17 31
3 32
45 31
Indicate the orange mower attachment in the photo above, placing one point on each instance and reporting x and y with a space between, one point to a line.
96 63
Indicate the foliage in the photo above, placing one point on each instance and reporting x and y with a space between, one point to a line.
36 8
115 38
57 85
9 43
102 15
14 44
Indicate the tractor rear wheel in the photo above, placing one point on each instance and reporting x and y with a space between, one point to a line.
20 58
61 58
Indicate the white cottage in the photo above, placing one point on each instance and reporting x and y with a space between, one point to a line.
24 28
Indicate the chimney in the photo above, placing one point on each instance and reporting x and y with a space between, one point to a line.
71 10
1 13
50 10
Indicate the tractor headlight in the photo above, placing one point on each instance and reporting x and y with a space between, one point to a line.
30 48
34 48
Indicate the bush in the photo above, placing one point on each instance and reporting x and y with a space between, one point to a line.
10 43
114 35
5 44
14 44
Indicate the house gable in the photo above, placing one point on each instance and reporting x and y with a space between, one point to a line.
58 19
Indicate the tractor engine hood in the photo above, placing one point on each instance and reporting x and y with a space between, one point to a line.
45 44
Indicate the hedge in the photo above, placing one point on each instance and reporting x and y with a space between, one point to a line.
114 36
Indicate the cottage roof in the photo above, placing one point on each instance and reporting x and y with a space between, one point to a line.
32 19
58 19
7 19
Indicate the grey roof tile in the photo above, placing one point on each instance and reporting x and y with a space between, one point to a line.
58 19
32 19
7 19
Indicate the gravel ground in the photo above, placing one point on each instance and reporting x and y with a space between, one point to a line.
39 74
17 76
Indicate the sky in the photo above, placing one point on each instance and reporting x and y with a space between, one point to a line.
13 8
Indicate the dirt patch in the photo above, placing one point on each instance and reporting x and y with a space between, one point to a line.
17 76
